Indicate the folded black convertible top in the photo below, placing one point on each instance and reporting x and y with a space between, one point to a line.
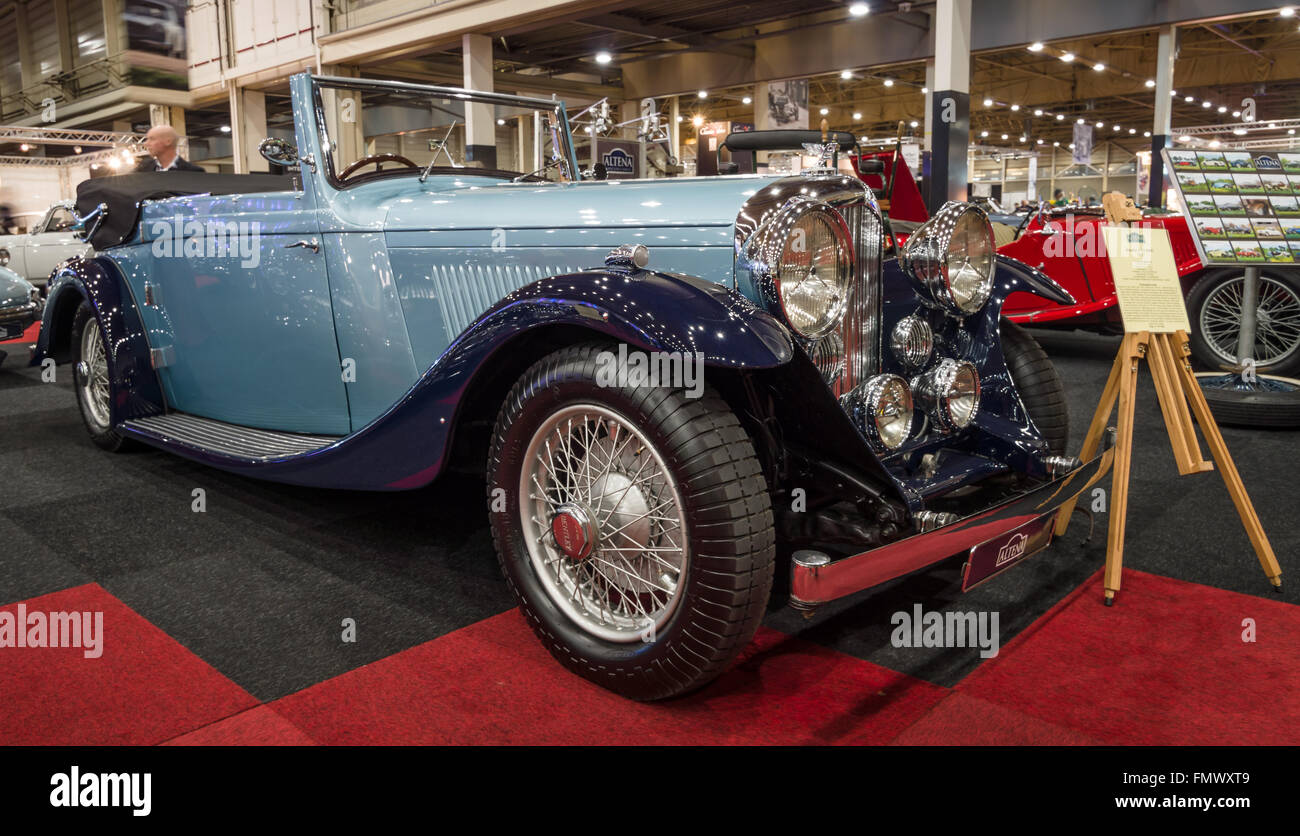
124 193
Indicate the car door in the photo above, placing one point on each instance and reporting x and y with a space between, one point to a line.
52 243
234 294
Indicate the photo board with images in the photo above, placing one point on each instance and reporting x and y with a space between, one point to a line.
1243 207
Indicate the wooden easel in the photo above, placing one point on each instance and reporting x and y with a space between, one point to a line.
1167 356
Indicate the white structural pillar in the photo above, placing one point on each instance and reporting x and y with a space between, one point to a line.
480 122
675 128
1166 53
950 103
247 128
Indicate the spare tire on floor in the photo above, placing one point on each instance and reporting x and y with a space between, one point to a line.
1272 402
1038 384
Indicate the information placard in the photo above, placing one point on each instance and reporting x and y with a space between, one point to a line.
1146 279
1243 207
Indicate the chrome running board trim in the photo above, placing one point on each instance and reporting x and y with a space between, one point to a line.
224 439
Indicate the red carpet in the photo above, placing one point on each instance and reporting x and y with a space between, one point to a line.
1166 665
144 689
258 726
29 336
493 683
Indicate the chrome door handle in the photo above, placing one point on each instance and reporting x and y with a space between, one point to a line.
311 245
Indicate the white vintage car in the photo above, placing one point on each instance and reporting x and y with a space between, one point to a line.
50 242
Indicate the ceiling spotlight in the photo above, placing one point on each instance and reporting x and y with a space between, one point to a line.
501 121
846 74
1060 117
984 133
1151 82
1080 120
857 117
1115 127
1101 124
1099 66
1173 92
1291 131
1022 139
1071 146
1067 57
925 90
1004 136
1236 113
1184 138
703 94
24 147
1214 143
1239 131
889 82
697 120
824 111
1056 145
1132 130
76 149
747 100
1036 46
1286 11
1040 142
988 103
588 129
1223 109
1272 125
603 57
225 129
1015 107
1146 134
914 123
1038 112
1206 104
859 9
1189 98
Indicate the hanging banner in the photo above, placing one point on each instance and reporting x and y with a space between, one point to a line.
1082 144
787 103
1031 193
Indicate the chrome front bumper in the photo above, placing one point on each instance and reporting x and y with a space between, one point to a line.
812 585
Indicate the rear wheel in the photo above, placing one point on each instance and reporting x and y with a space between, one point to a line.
1214 306
633 525
1038 383
92 380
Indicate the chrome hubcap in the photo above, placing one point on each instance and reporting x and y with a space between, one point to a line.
93 373
603 522
1277 327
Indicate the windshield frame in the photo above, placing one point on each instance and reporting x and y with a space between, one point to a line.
555 107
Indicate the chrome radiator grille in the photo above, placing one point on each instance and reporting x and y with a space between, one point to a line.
852 354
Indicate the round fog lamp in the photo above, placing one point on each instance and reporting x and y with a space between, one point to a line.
949 393
912 341
882 409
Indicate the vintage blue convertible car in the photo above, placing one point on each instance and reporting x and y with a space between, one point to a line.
672 386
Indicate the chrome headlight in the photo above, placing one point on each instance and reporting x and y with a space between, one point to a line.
949 393
803 258
952 257
882 409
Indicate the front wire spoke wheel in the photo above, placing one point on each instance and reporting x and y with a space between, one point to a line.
1277 329
604 523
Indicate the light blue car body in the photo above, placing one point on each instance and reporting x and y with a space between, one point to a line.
404 273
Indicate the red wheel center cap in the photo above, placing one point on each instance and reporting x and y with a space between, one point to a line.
571 527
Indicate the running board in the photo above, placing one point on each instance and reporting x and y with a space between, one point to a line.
225 439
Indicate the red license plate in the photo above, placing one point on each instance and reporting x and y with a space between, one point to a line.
993 557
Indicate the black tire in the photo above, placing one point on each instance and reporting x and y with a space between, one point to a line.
99 428
1038 383
1235 408
729 542
1281 288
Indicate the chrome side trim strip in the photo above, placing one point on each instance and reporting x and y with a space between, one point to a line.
812 585
227 439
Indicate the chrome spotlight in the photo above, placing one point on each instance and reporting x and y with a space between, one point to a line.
952 258
882 408
949 393
912 342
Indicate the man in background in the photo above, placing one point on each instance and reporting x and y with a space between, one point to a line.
161 143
